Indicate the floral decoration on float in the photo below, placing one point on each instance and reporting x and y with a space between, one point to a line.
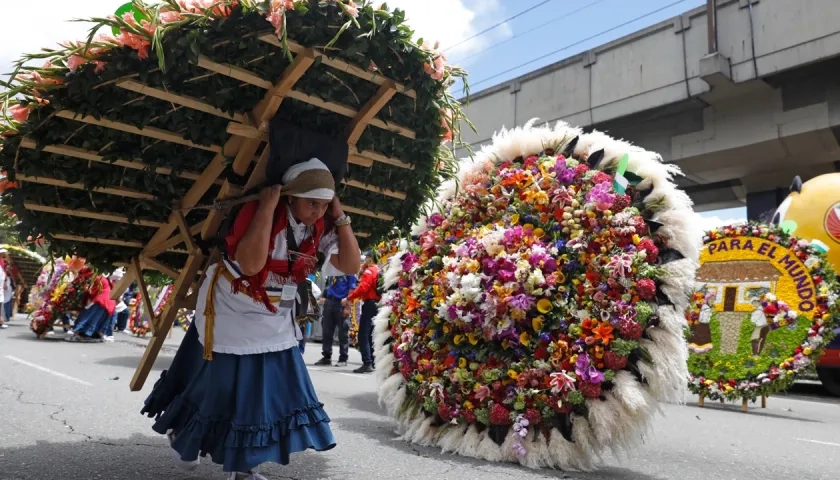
537 316
765 308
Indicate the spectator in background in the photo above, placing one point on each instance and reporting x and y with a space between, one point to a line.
367 293
336 296
307 330
4 279
123 312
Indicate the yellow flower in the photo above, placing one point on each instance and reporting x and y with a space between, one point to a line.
541 198
419 377
544 305
512 374
636 239
514 219
527 226
539 232
505 344
458 339
525 338
537 323
807 351
462 362
468 405
517 314
473 338
446 328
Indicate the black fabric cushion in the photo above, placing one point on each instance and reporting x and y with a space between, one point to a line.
291 144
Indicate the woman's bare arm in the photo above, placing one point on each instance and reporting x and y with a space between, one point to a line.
348 259
252 251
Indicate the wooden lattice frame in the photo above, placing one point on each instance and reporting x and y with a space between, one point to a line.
247 136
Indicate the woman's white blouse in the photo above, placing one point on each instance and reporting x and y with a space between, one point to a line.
243 326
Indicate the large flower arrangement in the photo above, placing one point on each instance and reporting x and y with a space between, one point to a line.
531 305
50 282
795 339
163 45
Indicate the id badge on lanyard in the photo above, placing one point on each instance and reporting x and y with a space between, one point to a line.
289 293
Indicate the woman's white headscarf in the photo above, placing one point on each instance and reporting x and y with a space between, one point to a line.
315 168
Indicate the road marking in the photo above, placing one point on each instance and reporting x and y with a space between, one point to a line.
819 442
47 370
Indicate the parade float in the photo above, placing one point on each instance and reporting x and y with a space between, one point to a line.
133 145
59 294
765 308
812 212
537 314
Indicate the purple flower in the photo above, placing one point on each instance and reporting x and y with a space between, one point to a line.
586 371
601 196
566 176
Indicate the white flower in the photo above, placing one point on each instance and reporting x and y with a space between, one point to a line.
812 261
535 280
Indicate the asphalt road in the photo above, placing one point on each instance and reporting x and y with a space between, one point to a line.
66 413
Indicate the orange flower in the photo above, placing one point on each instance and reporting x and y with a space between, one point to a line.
604 332
411 304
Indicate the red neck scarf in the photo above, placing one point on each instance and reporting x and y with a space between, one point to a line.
295 268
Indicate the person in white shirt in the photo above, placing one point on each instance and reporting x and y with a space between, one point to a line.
759 320
4 283
238 388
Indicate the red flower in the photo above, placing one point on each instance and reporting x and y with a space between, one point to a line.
601 177
531 160
646 288
581 169
630 329
443 412
590 390
469 416
499 415
614 361
541 353
650 248
533 416
621 202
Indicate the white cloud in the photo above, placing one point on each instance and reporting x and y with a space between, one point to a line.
452 21
26 29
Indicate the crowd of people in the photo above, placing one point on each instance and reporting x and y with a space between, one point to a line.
341 293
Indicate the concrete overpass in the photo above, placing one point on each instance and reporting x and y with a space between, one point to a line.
741 104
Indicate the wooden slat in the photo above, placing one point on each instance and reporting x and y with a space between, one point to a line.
118 191
92 156
174 241
184 229
340 65
366 114
123 284
268 106
107 217
151 132
234 72
256 80
105 241
153 264
179 291
101 241
374 188
350 113
183 100
367 213
144 293
377 157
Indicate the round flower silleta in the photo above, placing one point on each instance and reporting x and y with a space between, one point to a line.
539 296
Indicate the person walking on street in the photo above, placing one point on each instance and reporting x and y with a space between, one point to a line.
336 296
367 293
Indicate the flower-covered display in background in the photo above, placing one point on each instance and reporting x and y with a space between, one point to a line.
50 282
759 348
536 297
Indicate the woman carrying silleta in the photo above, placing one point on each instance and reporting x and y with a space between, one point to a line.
238 389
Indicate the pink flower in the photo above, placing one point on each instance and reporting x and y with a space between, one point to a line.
372 67
100 66
352 9
169 17
482 392
74 62
135 42
19 113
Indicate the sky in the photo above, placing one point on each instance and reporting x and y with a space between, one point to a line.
494 40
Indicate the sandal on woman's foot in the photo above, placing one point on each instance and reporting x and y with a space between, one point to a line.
188 465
